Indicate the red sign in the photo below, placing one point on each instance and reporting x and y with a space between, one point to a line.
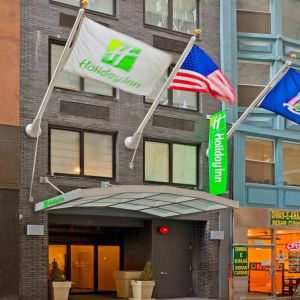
293 246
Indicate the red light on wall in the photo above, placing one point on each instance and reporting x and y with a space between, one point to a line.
163 229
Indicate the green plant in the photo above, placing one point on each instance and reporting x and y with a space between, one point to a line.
56 274
146 274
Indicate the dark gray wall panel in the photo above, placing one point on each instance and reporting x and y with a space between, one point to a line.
9 244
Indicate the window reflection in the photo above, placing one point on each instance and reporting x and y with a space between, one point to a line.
291 163
290 18
259 160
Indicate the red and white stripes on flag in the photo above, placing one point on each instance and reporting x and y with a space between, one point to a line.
215 84
199 73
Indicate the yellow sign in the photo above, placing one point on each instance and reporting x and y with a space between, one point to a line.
285 218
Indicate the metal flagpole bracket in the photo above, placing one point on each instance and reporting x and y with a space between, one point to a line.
131 142
33 130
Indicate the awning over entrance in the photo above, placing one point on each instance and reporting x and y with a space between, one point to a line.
161 201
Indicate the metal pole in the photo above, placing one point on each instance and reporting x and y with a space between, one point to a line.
259 98
131 142
273 263
34 129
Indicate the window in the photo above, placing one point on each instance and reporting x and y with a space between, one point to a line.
103 6
254 16
181 99
170 163
77 152
259 160
252 78
290 18
177 15
73 82
291 164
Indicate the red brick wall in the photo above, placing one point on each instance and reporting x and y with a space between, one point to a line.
9 62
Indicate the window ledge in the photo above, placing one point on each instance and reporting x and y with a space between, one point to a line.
81 177
92 12
85 94
166 107
167 30
270 186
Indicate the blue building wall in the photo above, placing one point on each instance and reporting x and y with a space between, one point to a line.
276 49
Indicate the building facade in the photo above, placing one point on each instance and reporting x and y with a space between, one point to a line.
81 152
266 146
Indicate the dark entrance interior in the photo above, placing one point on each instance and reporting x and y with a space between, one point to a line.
89 255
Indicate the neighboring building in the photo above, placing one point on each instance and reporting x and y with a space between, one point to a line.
9 146
81 149
266 146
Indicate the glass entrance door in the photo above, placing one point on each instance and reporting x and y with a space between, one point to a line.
90 267
260 270
262 274
108 263
82 268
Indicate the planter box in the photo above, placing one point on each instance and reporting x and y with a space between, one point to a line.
142 289
123 279
59 290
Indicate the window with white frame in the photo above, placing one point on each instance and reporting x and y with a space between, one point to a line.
78 152
170 163
103 6
70 81
254 16
180 99
252 78
290 18
291 163
259 155
177 15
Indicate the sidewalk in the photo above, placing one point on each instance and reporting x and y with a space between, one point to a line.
109 297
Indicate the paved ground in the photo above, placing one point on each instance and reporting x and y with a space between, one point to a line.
109 297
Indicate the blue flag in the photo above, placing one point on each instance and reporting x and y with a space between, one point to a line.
284 98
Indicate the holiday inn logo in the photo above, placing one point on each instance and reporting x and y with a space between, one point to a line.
120 55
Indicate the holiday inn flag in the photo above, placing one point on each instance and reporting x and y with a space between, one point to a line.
102 54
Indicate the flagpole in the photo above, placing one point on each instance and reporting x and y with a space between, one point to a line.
259 98
131 142
34 130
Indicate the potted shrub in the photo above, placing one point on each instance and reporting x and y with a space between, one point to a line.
58 287
142 287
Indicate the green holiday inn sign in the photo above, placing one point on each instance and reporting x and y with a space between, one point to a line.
217 154
54 201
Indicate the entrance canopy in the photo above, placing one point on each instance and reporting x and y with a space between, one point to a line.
161 201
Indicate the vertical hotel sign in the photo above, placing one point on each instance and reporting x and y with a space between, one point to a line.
217 155
240 260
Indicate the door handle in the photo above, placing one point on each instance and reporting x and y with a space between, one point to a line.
164 273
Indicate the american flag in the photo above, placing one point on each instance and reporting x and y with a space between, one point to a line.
199 73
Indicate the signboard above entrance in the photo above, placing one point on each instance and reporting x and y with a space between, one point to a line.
284 218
